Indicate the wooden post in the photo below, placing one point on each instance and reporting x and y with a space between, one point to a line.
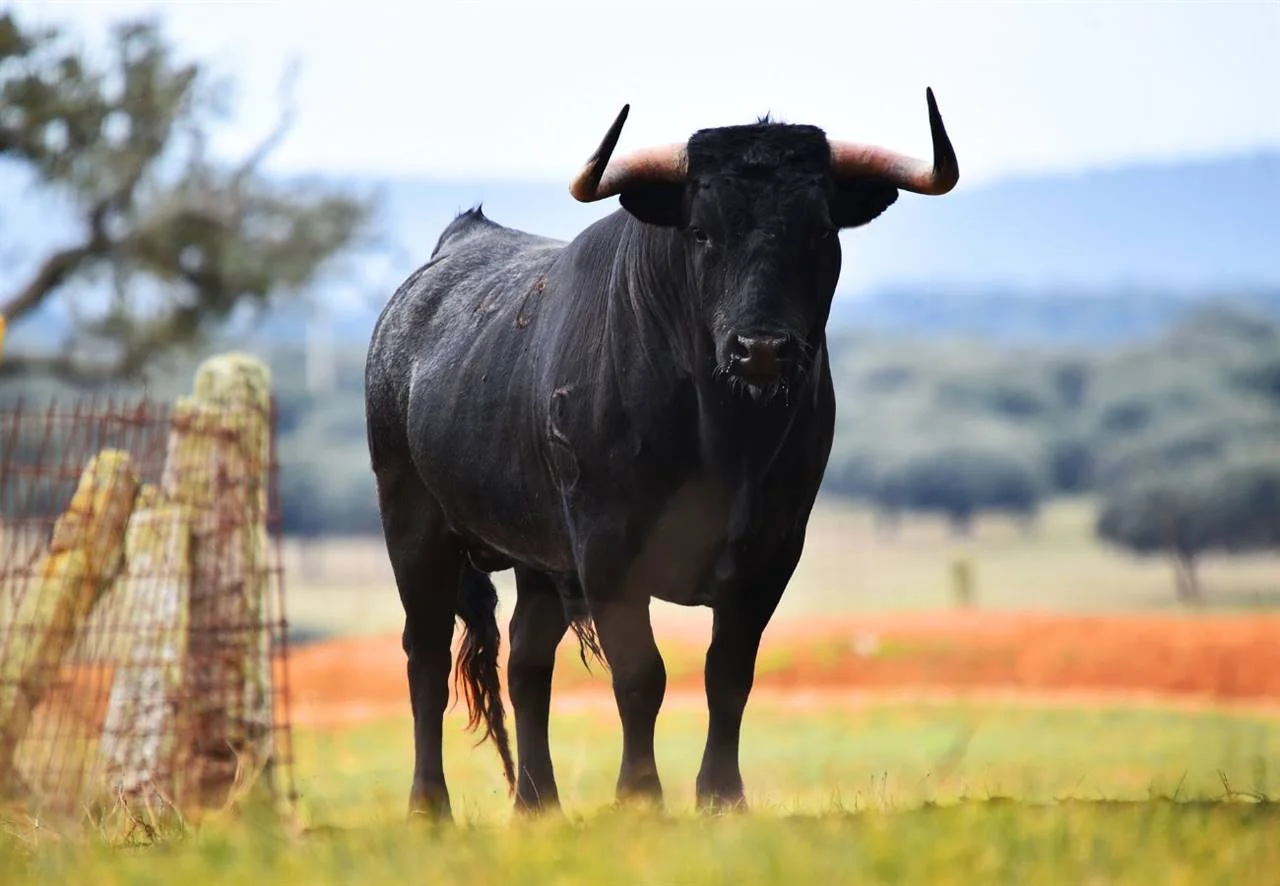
83 557
217 465
138 747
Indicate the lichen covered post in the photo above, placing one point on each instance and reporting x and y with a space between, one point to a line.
218 466
138 748
83 557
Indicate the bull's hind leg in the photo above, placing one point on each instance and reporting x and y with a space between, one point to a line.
537 626
741 616
427 566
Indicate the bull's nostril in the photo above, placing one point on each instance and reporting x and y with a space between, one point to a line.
782 348
758 357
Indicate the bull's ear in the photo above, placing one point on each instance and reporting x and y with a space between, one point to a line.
859 200
656 203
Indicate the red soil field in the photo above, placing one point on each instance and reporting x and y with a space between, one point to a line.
1229 661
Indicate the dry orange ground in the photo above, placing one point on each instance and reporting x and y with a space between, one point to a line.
1221 660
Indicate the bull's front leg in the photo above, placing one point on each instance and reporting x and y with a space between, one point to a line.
741 612
639 684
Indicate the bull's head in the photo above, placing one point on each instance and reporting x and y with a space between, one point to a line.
758 207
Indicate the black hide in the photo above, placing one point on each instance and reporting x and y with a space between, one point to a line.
583 412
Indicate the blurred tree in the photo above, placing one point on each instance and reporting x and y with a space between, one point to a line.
1230 504
1069 462
178 241
959 481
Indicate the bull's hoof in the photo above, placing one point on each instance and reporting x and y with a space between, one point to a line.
718 805
423 818
713 802
641 805
429 808
640 792
526 808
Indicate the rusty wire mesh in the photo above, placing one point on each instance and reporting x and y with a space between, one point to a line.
143 651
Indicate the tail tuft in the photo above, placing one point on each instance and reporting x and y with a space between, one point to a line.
585 630
476 674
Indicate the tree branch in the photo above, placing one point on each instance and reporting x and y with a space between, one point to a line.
284 92
61 265
51 274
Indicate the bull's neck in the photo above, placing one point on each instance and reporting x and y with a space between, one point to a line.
652 304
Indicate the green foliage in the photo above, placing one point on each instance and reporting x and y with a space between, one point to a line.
1232 504
957 480
177 241
960 428
1192 464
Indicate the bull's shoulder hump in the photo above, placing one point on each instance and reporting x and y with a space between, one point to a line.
474 230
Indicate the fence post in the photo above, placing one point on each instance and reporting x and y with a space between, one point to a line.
139 730
84 554
217 465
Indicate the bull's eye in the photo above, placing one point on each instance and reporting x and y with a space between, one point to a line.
823 234
699 236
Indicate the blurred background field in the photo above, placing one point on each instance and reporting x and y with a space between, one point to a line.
344 585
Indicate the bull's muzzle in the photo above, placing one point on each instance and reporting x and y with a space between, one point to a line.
759 359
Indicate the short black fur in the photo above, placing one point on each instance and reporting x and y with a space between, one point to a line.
645 411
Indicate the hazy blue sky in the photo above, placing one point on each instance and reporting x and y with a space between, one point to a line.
447 88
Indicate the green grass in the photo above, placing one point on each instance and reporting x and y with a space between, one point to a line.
1152 843
933 793
880 755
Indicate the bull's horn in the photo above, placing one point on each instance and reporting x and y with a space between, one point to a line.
908 173
601 178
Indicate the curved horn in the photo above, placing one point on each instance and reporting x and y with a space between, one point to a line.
601 178
908 173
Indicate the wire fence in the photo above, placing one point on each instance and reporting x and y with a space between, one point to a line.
143 653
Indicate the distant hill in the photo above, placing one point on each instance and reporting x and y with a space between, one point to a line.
1192 225
1127 247
1094 318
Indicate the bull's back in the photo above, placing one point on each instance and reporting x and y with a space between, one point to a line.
453 381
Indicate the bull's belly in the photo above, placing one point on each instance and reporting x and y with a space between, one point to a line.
502 523
679 549
517 517
496 540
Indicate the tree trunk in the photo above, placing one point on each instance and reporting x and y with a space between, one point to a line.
961 524
888 523
1187 582
1027 525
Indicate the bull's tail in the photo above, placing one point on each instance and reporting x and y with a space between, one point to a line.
476 675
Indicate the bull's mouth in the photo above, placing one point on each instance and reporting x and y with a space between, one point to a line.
760 390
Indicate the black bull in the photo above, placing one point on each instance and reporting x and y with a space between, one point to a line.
643 412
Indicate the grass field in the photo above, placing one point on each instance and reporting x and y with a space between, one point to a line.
847 785
880 793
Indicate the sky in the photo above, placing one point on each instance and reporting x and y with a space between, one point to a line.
464 90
